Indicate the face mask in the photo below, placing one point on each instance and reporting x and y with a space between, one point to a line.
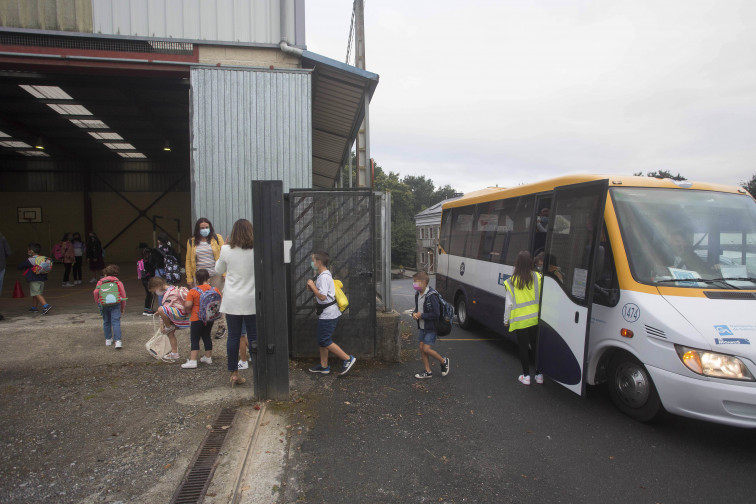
417 287
205 232
312 265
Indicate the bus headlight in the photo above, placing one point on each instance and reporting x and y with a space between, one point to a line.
713 364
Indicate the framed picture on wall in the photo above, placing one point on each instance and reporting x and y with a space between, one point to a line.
29 214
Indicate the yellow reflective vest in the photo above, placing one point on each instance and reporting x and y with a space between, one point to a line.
524 312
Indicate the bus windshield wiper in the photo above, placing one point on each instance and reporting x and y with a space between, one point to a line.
710 280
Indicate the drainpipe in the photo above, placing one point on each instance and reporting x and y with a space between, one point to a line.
285 47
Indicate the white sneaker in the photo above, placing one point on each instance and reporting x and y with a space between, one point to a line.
118 345
108 342
67 284
206 360
170 357
77 282
93 280
525 380
539 379
189 364
242 365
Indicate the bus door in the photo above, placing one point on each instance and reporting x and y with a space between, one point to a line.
574 229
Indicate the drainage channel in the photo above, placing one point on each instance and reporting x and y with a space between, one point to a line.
200 472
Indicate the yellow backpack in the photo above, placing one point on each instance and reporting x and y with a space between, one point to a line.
341 299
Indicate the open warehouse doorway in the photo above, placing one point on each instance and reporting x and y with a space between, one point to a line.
96 148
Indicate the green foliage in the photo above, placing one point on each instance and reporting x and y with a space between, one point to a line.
661 174
409 196
750 186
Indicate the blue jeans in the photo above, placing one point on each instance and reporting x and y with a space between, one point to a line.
427 337
2 276
111 322
234 325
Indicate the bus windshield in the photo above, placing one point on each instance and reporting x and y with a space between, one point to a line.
688 238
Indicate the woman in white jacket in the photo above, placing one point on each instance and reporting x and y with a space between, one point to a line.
237 261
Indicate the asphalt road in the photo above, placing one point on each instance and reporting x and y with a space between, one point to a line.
478 435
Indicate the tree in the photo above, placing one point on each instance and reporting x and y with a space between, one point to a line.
661 174
750 186
422 192
403 243
444 193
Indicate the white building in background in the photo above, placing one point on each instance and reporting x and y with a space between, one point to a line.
428 224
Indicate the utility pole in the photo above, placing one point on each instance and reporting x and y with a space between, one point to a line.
364 178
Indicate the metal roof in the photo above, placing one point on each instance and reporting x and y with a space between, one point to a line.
339 92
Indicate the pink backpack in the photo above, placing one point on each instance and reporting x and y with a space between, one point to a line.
57 251
174 297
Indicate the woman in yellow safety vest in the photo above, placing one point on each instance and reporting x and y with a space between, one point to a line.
523 293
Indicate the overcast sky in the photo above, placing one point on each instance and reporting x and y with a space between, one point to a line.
475 94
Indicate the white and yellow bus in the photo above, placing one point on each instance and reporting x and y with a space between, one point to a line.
649 286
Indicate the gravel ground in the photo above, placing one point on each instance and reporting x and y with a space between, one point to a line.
83 422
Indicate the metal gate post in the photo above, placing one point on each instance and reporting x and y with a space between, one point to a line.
272 370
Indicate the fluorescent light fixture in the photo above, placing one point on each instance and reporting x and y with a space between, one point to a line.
15 144
137 155
167 146
90 123
46 92
106 135
33 153
40 144
119 146
4 135
69 109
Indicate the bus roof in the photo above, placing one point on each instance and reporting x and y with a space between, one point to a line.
496 193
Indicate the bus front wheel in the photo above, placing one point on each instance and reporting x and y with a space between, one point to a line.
463 317
631 389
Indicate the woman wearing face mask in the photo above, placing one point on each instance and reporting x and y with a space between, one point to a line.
202 250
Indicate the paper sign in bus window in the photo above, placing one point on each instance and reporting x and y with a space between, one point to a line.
579 282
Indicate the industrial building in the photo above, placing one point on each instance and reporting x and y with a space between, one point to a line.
119 114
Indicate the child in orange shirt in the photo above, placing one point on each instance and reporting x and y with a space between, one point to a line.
198 328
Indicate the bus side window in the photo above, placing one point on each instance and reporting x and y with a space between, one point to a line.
460 229
443 238
520 236
606 286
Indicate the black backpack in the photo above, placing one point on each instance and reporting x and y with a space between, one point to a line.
444 323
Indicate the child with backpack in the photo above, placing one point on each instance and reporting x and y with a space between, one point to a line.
36 267
110 296
204 302
427 314
145 271
329 313
172 312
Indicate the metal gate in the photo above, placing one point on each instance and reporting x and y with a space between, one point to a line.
342 223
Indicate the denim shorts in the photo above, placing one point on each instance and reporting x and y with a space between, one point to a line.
325 331
427 337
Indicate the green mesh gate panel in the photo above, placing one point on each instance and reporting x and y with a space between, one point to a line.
342 223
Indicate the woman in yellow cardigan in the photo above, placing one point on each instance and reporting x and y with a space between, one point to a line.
202 250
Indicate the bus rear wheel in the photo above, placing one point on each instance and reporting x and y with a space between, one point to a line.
631 389
463 317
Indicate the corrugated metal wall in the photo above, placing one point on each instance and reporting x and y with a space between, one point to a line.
57 15
251 21
247 125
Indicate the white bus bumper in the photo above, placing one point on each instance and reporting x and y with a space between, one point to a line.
711 400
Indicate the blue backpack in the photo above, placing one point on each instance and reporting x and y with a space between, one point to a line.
444 323
209 305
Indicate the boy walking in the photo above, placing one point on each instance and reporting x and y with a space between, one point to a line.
36 278
110 296
427 312
329 313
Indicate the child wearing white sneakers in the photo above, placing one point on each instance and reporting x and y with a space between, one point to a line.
110 296
199 329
